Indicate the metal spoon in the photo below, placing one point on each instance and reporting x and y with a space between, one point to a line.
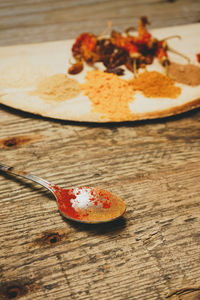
83 204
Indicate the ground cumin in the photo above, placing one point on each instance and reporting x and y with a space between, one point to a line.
110 95
155 84
187 74
57 87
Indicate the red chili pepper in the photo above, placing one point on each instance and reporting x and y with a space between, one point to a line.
137 50
143 35
198 57
144 41
76 68
161 53
126 43
84 41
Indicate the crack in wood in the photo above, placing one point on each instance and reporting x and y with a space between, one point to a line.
184 291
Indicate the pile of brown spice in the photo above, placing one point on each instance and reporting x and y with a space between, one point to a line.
57 87
110 95
187 74
155 84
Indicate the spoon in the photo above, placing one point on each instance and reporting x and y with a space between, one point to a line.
82 204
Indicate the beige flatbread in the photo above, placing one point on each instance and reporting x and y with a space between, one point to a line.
22 68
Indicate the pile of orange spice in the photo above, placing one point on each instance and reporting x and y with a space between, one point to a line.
110 95
155 84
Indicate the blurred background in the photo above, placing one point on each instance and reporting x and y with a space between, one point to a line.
25 21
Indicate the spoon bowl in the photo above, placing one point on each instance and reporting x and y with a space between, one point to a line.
82 204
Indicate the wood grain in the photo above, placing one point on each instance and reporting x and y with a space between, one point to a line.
31 21
150 254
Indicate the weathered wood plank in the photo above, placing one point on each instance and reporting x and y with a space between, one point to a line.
145 256
39 21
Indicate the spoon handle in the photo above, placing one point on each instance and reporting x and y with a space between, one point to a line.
26 175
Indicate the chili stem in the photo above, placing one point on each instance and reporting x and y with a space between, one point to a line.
109 25
178 53
167 69
171 37
134 67
129 29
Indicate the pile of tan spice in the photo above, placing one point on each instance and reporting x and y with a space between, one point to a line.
57 87
188 74
110 95
155 84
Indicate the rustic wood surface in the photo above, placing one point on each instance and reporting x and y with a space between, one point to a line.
154 251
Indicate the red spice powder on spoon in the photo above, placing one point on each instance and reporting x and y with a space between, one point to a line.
88 204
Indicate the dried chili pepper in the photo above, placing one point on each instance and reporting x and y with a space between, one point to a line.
84 40
126 43
83 49
76 68
144 42
133 51
161 53
117 71
143 34
198 57
110 55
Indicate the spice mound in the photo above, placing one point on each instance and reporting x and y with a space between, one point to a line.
57 87
89 204
110 95
187 74
155 84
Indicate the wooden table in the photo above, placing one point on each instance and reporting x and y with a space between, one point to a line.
151 253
